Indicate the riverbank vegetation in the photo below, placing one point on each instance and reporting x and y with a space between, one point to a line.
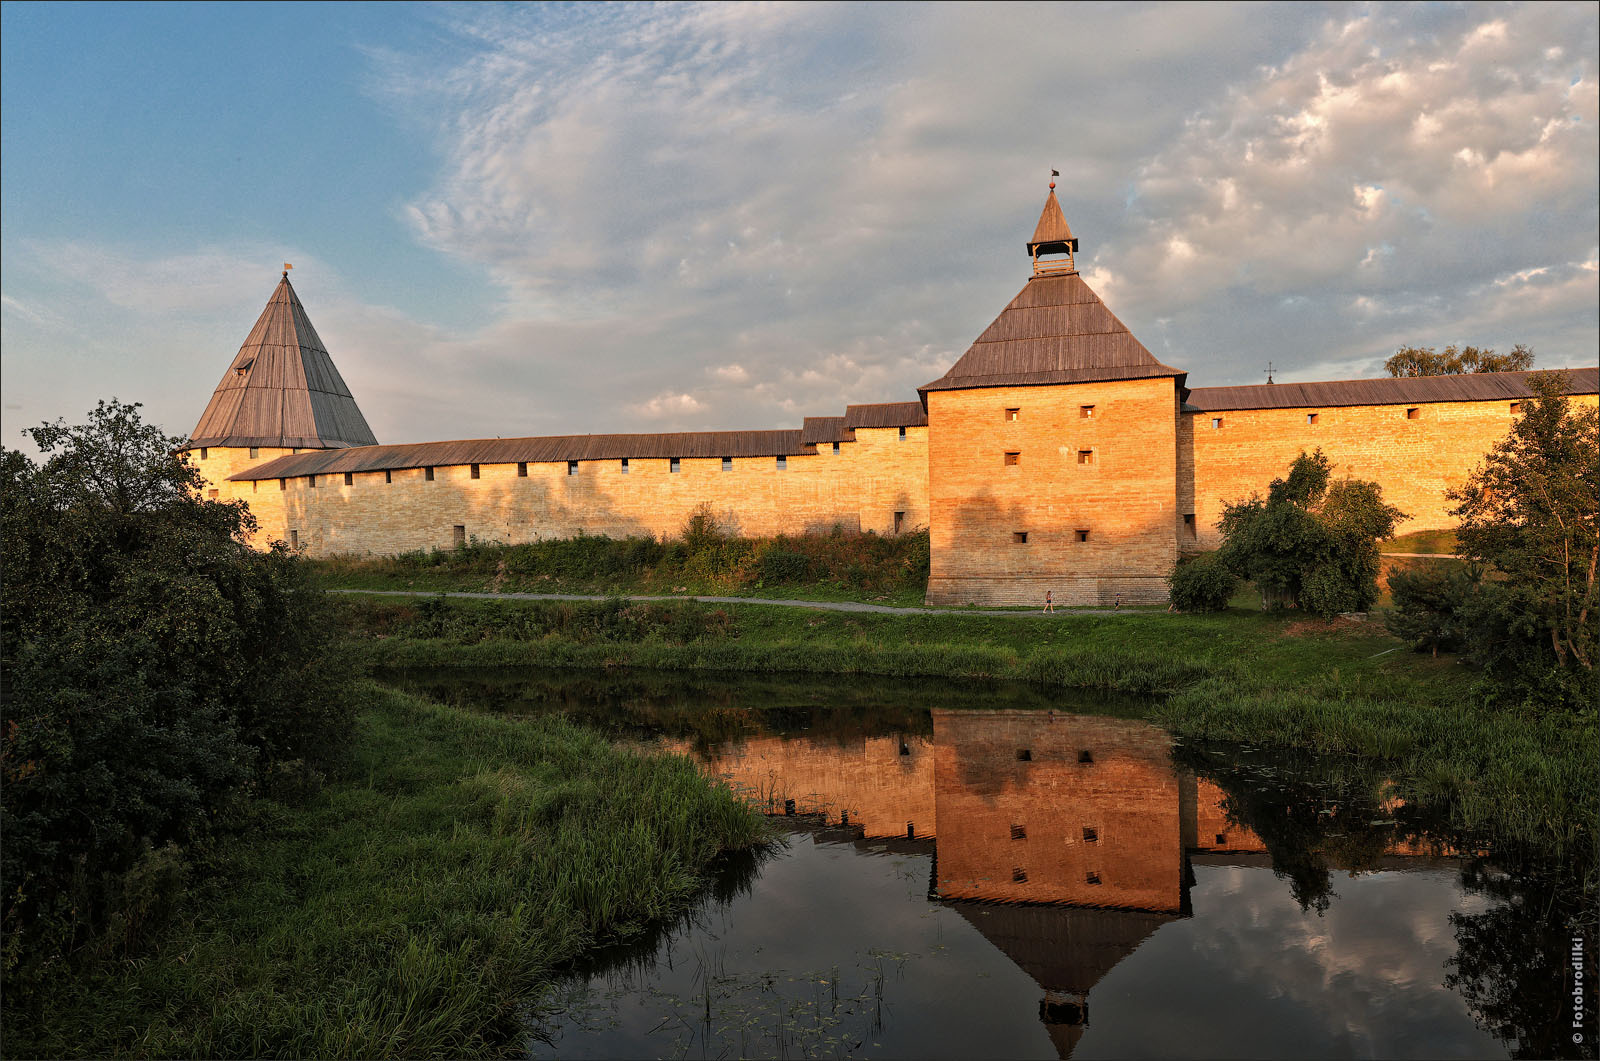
415 906
705 559
1336 687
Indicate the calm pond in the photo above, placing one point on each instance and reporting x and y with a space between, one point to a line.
990 871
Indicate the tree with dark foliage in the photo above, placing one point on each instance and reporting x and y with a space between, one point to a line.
157 672
1529 515
1457 361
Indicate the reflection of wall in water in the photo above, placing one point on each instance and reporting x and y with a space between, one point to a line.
1046 807
882 784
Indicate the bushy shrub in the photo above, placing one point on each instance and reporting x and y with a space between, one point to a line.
1310 544
155 667
1430 605
1201 583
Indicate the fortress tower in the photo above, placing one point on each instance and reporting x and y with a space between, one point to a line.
281 395
1052 449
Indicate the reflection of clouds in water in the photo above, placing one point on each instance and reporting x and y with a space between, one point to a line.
1257 976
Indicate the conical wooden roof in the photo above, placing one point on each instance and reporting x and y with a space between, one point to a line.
1055 331
1052 235
282 390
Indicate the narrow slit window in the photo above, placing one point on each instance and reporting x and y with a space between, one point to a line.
1413 413
836 447
1013 414
1085 757
1216 423
1188 524
727 464
427 473
283 484
460 534
255 451
294 539
674 465
311 481
624 466
905 749
1019 832
902 434
783 464
388 477
349 479
911 830
203 452
1311 418
255 484
1092 877
522 469
1091 835
1086 456
1086 412
1019 875
572 467
1019 537
1013 459
1081 535
475 471
899 522
1024 755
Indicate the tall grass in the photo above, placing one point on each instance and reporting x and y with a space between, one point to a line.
705 560
417 905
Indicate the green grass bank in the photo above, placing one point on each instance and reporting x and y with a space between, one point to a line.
415 906
1341 687
705 561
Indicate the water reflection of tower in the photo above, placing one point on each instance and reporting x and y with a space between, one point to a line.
1061 840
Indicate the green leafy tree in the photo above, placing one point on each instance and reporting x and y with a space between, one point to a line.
1456 361
157 670
1529 514
1310 544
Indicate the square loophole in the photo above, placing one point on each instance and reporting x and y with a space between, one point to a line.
1413 413
1086 412
1019 537
1081 535
1019 875
1019 832
1024 755
1085 757
1013 415
1091 835
1012 459
1222 838
1086 456
1092 877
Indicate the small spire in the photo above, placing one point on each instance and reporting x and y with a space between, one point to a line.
1269 373
1052 235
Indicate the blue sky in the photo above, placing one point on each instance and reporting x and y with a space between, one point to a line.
511 220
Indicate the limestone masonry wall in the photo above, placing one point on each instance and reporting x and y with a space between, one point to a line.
862 487
1414 459
1094 493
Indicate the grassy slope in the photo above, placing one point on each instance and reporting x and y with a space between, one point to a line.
414 906
1242 675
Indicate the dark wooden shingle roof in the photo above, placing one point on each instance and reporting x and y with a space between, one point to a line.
1055 331
885 414
1411 390
818 429
556 448
282 389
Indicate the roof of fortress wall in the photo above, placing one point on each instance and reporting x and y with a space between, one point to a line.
561 448
1409 390
282 389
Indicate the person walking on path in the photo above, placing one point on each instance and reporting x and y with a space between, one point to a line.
1118 605
1049 603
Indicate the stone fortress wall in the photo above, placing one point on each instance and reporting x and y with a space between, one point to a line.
877 482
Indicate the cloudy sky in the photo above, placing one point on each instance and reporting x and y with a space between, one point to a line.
548 220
